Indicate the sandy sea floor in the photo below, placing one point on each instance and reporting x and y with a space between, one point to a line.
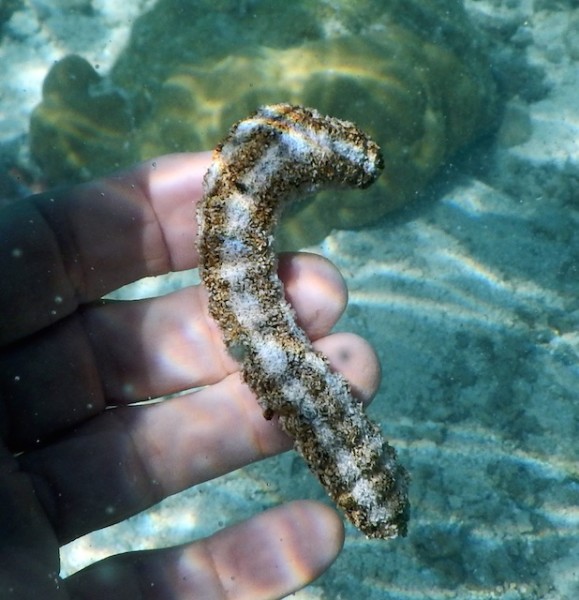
470 295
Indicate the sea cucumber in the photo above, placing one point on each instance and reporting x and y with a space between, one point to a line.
280 153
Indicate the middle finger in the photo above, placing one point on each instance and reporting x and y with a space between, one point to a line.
122 352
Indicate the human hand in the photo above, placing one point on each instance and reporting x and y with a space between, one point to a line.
68 466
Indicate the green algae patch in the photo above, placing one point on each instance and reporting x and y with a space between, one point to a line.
414 78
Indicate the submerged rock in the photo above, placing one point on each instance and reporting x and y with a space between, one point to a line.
412 76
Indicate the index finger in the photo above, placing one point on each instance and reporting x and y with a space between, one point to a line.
63 248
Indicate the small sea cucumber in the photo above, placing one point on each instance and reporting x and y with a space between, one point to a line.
278 154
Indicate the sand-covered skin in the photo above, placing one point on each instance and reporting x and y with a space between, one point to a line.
269 159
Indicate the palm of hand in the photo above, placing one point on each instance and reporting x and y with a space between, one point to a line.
68 466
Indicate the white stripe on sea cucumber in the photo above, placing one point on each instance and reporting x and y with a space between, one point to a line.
280 152
273 358
238 213
234 274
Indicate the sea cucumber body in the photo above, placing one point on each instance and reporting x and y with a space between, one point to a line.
280 153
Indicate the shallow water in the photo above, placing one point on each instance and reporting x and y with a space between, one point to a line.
470 296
